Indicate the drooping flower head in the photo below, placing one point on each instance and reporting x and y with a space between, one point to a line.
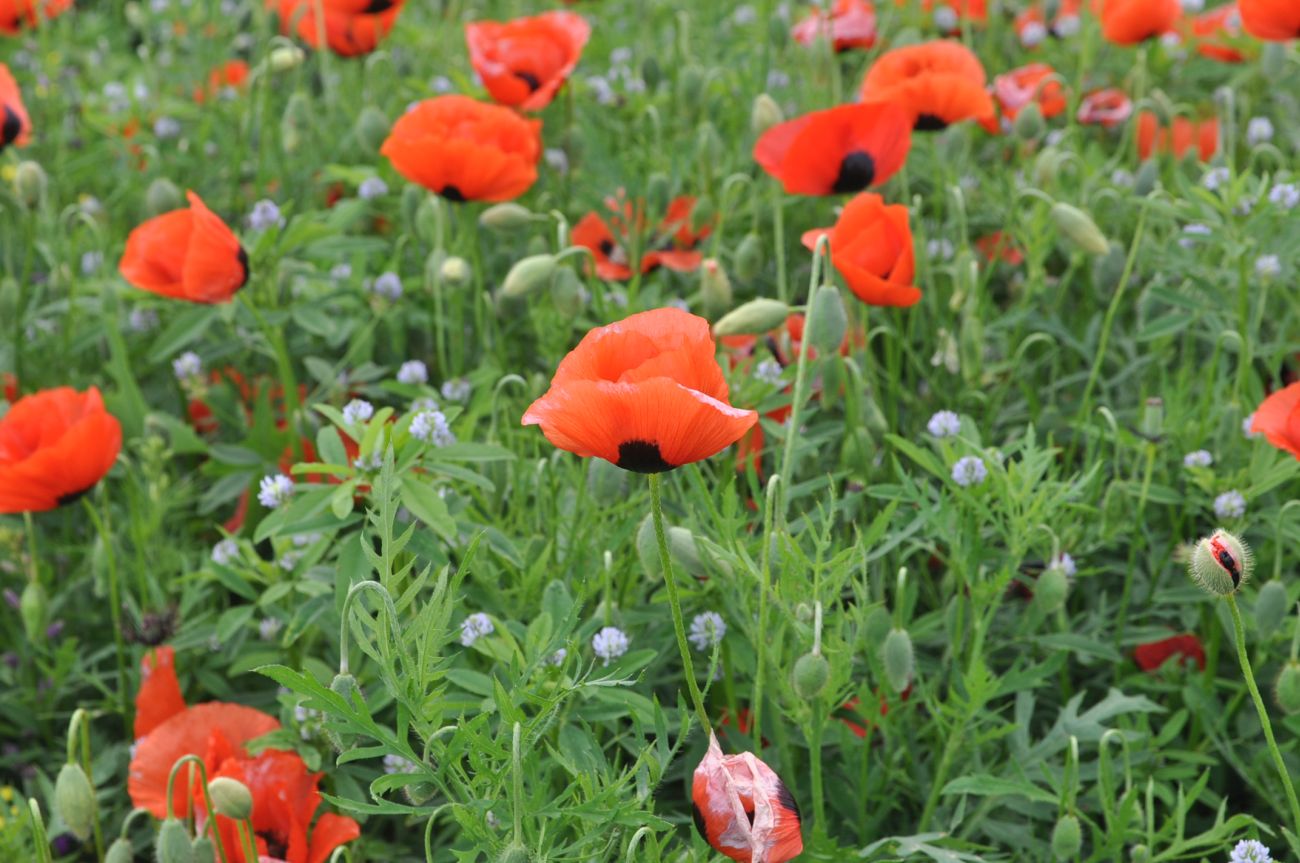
55 445
351 27
611 236
938 83
836 151
743 809
1109 108
871 247
186 254
524 62
15 125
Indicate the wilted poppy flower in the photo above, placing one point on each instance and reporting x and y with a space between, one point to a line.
1271 20
187 255
1182 136
937 83
1278 419
743 809
352 27
871 247
671 245
848 24
645 393
15 126
17 14
1154 654
1036 82
844 149
54 446
466 150
1128 22
524 62
232 75
1109 108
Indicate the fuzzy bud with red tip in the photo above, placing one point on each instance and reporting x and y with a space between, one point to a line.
1221 563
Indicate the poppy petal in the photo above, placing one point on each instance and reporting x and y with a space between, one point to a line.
159 697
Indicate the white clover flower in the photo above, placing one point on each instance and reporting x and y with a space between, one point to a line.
969 470
1033 34
456 390
1246 430
371 188
91 262
1259 131
603 89
1198 458
557 160
944 424
940 248
225 551
610 643
1250 851
388 286
1285 195
424 403
769 371
413 372
142 320
1230 504
431 427
274 490
398 764
1268 266
1216 178
475 627
269 627
265 215
166 127
187 366
707 630
372 462
1065 564
340 272
358 411
558 657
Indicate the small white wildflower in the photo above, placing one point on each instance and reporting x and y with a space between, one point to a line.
777 79
339 272
1216 178
610 643
940 248
441 84
1268 266
1244 205
424 403
1246 430
558 657
744 15
371 188
388 286
456 390
274 490
944 424
475 627
358 411
617 298
1191 231
269 627
289 560
91 262
769 371
945 18
1033 34
166 127
557 160
187 366
1199 458
431 427
603 89
225 551
620 56
969 470
492 820
413 372
1065 564
707 630
1259 131
142 320
1250 851
398 764
1230 504
1284 195
265 215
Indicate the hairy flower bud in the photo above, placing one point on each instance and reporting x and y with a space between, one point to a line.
455 271
529 275
1288 687
505 217
898 658
202 850
231 798
121 852
810 675
173 843
1051 590
162 196
753 318
1029 125
749 257
32 608
827 319
715 287
1080 228
1221 563
30 183
1067 837
764 114
74 799
371 128
285 58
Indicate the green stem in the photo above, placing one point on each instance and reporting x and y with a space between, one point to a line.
245 829
765 579
115 605
1240 632
815 753
1122 616
518 785
674 601
284 369
33 571
189 797
39 837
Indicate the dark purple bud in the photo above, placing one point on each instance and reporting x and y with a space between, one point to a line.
12 598
63 844
54 630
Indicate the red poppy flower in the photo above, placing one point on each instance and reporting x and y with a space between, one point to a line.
232 75
999 246
743 809
937 83
844 149
524 62
15 125
1152 655
1271 20
9 386
466 150
187 255
645 393
848 24
1182 136
672 245
17 14
1109 108
1128 22
948 14
871 246
1213 34
1278 419
54 446
352 27
159 697
1036 82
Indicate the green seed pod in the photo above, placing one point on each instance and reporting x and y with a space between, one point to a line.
528 276
1288 687
455 271
1221 563
231 798
750 257
161 197
659 190
1153 418
1109 268
764 114
1051 590
753 318
513 853
30 183
898 658
371 128
201 851
506 217
1046 166
828 321
32 609
651 72
1139 854
1029 125
1271 606
121 852
703 213
74 800
1147 179
284 58
1067 838
344 685
173 843
876 627
607 483
295 121
810 676
566 293
1080 228
715 288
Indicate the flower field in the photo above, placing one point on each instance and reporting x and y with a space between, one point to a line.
644 430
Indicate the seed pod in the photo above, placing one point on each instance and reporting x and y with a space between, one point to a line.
827 319
506 217
567 293
32 609
201 851
753 318
162 196
1067 838
529 275
1051 590
122 852
30 183
1221 563
749 257
74 800
1288 687
371 128
173 843
1270 608
455 271
715 288
1080 228
898 658
764 114
1029 125
1147 179
810 675
231 798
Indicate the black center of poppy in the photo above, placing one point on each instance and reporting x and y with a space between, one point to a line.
530 79
929 123
275 847
786 799
74 496
11 127
856 172
607 247
698 817
641 456
243 263
377 6
451 193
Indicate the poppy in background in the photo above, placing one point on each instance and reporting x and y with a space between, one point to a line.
466 150
1036 82
524 62
871 247
55 445
672 244
186 255
1271 20
1110 108
15 125
1278 419
1128 22
839 150
743 809
1179 138
1215 32
352 27
938 83
17 14
848 24
999 246
228 77
645 393
948 14
9 386
1152 655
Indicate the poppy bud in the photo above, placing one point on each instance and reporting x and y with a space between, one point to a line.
505 217
296 118
1029 125
1153 417
715 287
811 673
1288 687
121 852
161 197
201 851
1109 269
31 608
827 319
1067 837
1139 854
753 318
651 72
74 800
30 183
1051 590
567 293
1047 165
372 128
743 809
898 659
658 191
1270 608
231 798
343 685
286 57
1079 227
1147 179
765 114
1221 563
455 271
173 843
428 217
749 257
528 275
514 853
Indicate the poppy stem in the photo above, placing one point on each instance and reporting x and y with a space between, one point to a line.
189 797
79 733
674 600
245 829
765 579
115 604
284 368
33 570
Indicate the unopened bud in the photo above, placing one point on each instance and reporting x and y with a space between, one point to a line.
749 257
1147 178
827 319
1108 270
1153 418
810 675
898 659
513 853
651 72
1067 837
455 271
173 844
1051 590
567 293
1079 227
30 183
715 287
506 217
753 318
74 800
202 850
1139 854
765 114
231 798
121 852
161 197
1221 563
371 128
1029 125
32 607
286 57
1047 165
528 275
1288 687
1270 608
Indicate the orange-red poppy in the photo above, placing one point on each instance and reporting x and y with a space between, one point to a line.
1179 139
848 24
999 246
871 247
938 83
54 446
1109 108
15 125
1271 20
17 14
1128 22
1278 419
285 795
1216 34
1036 82
645 393
466 150
1153 654
187 255
840 150
671 245
9 386
743 809
524 62
231 75
948 14
351 27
